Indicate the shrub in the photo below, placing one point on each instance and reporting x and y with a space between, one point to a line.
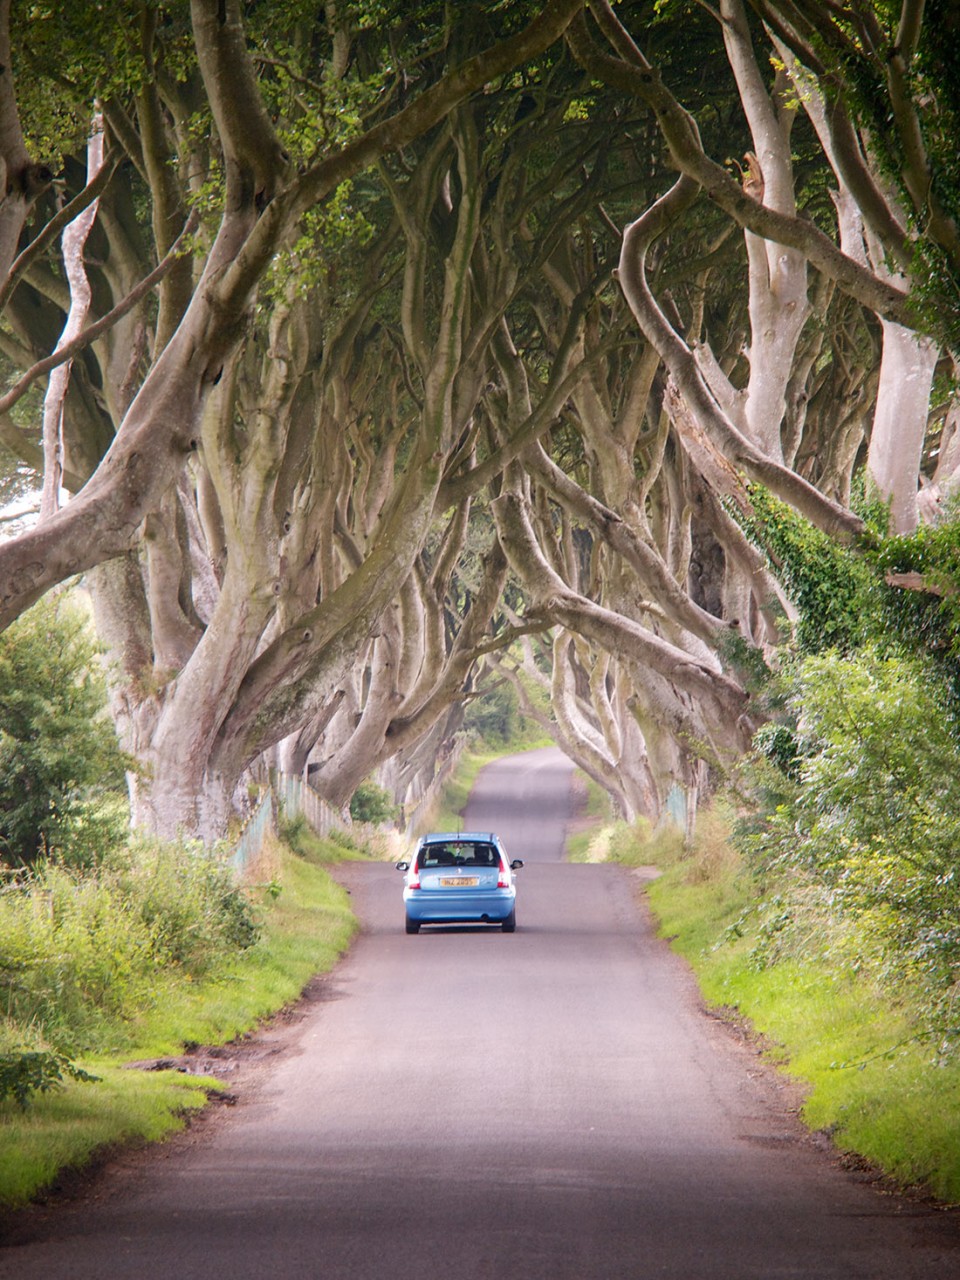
61 771
25 1071
294 830
834 589
869 836
372 803
190 903
72 957
83 952
494 717
926 621
343 840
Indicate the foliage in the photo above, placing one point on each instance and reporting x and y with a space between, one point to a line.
372 803
830 585
494 717
28 1066
305 930
868 1078
778 744
876 1077
336 846
561 164
911 127
84 951
61 771
23 1073
294 830
18 482
190 901
901 591
93 52
927 619
342 840
867 840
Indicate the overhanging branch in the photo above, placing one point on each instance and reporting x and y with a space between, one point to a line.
96 330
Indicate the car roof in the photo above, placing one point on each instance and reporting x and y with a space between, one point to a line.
465 837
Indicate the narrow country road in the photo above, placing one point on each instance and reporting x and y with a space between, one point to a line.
465 1104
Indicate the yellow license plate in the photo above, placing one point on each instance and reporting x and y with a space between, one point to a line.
459 882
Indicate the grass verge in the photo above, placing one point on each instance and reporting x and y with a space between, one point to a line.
881 1091
307 924
592 826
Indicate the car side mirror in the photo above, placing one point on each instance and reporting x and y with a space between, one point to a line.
403 866
516 864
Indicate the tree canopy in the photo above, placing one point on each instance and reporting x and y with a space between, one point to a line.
409 349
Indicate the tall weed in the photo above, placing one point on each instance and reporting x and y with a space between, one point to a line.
83 953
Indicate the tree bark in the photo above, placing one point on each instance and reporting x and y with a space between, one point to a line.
644 81
703 407
900 422
74 239
263 202
721 697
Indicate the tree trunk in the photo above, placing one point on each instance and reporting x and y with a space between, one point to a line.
900 422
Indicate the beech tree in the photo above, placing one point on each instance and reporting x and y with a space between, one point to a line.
745 415
767 189
175 488
447 359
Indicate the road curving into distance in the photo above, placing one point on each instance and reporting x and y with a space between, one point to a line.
465 1104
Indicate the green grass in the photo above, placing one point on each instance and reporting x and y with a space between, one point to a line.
593 825
66 1129
307 926
877 1087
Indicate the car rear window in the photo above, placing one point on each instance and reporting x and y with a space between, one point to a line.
458 855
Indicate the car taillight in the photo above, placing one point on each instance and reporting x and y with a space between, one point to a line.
503 880
414 881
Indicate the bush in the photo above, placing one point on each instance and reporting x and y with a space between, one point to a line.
83 952
863 849
190 903
833 588
494 717
372 803
926 621
62 774
27 1071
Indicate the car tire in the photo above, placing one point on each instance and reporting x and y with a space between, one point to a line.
413 926
510 924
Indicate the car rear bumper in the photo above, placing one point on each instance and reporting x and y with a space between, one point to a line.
440 906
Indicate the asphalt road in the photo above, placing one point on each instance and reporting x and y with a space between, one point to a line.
465 1104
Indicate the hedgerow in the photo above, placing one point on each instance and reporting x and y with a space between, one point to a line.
84 951
855 781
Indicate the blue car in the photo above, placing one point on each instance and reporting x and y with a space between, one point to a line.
460 878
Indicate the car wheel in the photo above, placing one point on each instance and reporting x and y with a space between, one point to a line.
510 924
413 926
